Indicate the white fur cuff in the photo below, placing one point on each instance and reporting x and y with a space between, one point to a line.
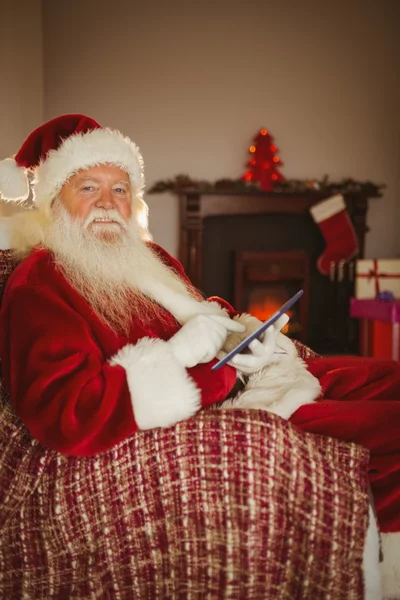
162 392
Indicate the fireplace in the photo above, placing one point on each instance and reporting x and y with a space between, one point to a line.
254 248
264 281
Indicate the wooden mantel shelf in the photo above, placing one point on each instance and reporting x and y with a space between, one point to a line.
196 206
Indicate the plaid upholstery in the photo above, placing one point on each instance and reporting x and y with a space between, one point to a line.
7 263
230 504
304 351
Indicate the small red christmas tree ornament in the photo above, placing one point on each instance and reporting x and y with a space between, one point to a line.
263 164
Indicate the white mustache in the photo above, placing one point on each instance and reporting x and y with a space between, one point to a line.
101 213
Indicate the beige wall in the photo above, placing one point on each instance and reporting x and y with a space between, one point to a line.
191 82
21 69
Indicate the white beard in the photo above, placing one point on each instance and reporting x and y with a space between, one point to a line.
116 272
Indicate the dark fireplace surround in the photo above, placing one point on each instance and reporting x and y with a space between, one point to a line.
243 246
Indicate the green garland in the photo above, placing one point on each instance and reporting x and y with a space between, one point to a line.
288 186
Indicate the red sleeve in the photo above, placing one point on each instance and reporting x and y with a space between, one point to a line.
75 399
64 388
61 385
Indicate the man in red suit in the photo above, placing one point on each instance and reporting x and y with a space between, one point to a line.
102 334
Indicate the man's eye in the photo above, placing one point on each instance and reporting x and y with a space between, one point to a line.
120 190
88 188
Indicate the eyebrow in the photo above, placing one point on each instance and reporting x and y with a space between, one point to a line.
86 178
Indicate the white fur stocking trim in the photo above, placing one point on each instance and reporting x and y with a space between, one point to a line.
162 392
327 208
390 568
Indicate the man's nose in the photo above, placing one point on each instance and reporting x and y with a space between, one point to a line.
106 199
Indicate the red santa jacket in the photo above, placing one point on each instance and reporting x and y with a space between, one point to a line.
57 361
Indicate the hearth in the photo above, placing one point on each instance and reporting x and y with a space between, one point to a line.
256 250
264 281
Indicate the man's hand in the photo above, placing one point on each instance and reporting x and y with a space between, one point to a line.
262 353
201 338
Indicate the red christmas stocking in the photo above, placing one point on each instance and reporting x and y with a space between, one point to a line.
333 219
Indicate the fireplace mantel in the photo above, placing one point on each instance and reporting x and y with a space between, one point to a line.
196 207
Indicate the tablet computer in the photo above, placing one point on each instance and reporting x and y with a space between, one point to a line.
256 334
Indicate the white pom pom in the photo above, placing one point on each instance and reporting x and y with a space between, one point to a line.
14 184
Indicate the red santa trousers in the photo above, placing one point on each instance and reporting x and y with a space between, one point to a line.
361 404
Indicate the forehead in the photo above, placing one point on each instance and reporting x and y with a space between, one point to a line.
101 172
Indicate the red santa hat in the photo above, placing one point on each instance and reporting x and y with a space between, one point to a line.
63 146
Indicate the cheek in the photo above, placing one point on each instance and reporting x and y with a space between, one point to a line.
83 207
125 209
70 204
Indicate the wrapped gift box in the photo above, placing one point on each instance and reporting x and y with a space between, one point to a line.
377 275
379 327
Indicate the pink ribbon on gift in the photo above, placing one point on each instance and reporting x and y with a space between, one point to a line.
374 273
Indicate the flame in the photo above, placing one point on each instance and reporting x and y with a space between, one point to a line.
264 307
264 310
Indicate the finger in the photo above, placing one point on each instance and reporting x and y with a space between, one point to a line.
215 342
209 354
206 359
269 339
257 348
216 328
244 360
281 322
213 327
229 324
220 339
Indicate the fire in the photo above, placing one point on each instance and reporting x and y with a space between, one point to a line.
263 308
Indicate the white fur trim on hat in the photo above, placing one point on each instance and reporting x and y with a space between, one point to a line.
162 392
14 184
84 150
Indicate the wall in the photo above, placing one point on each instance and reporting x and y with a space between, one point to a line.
191 82
21 68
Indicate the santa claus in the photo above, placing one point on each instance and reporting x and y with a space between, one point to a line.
102 334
